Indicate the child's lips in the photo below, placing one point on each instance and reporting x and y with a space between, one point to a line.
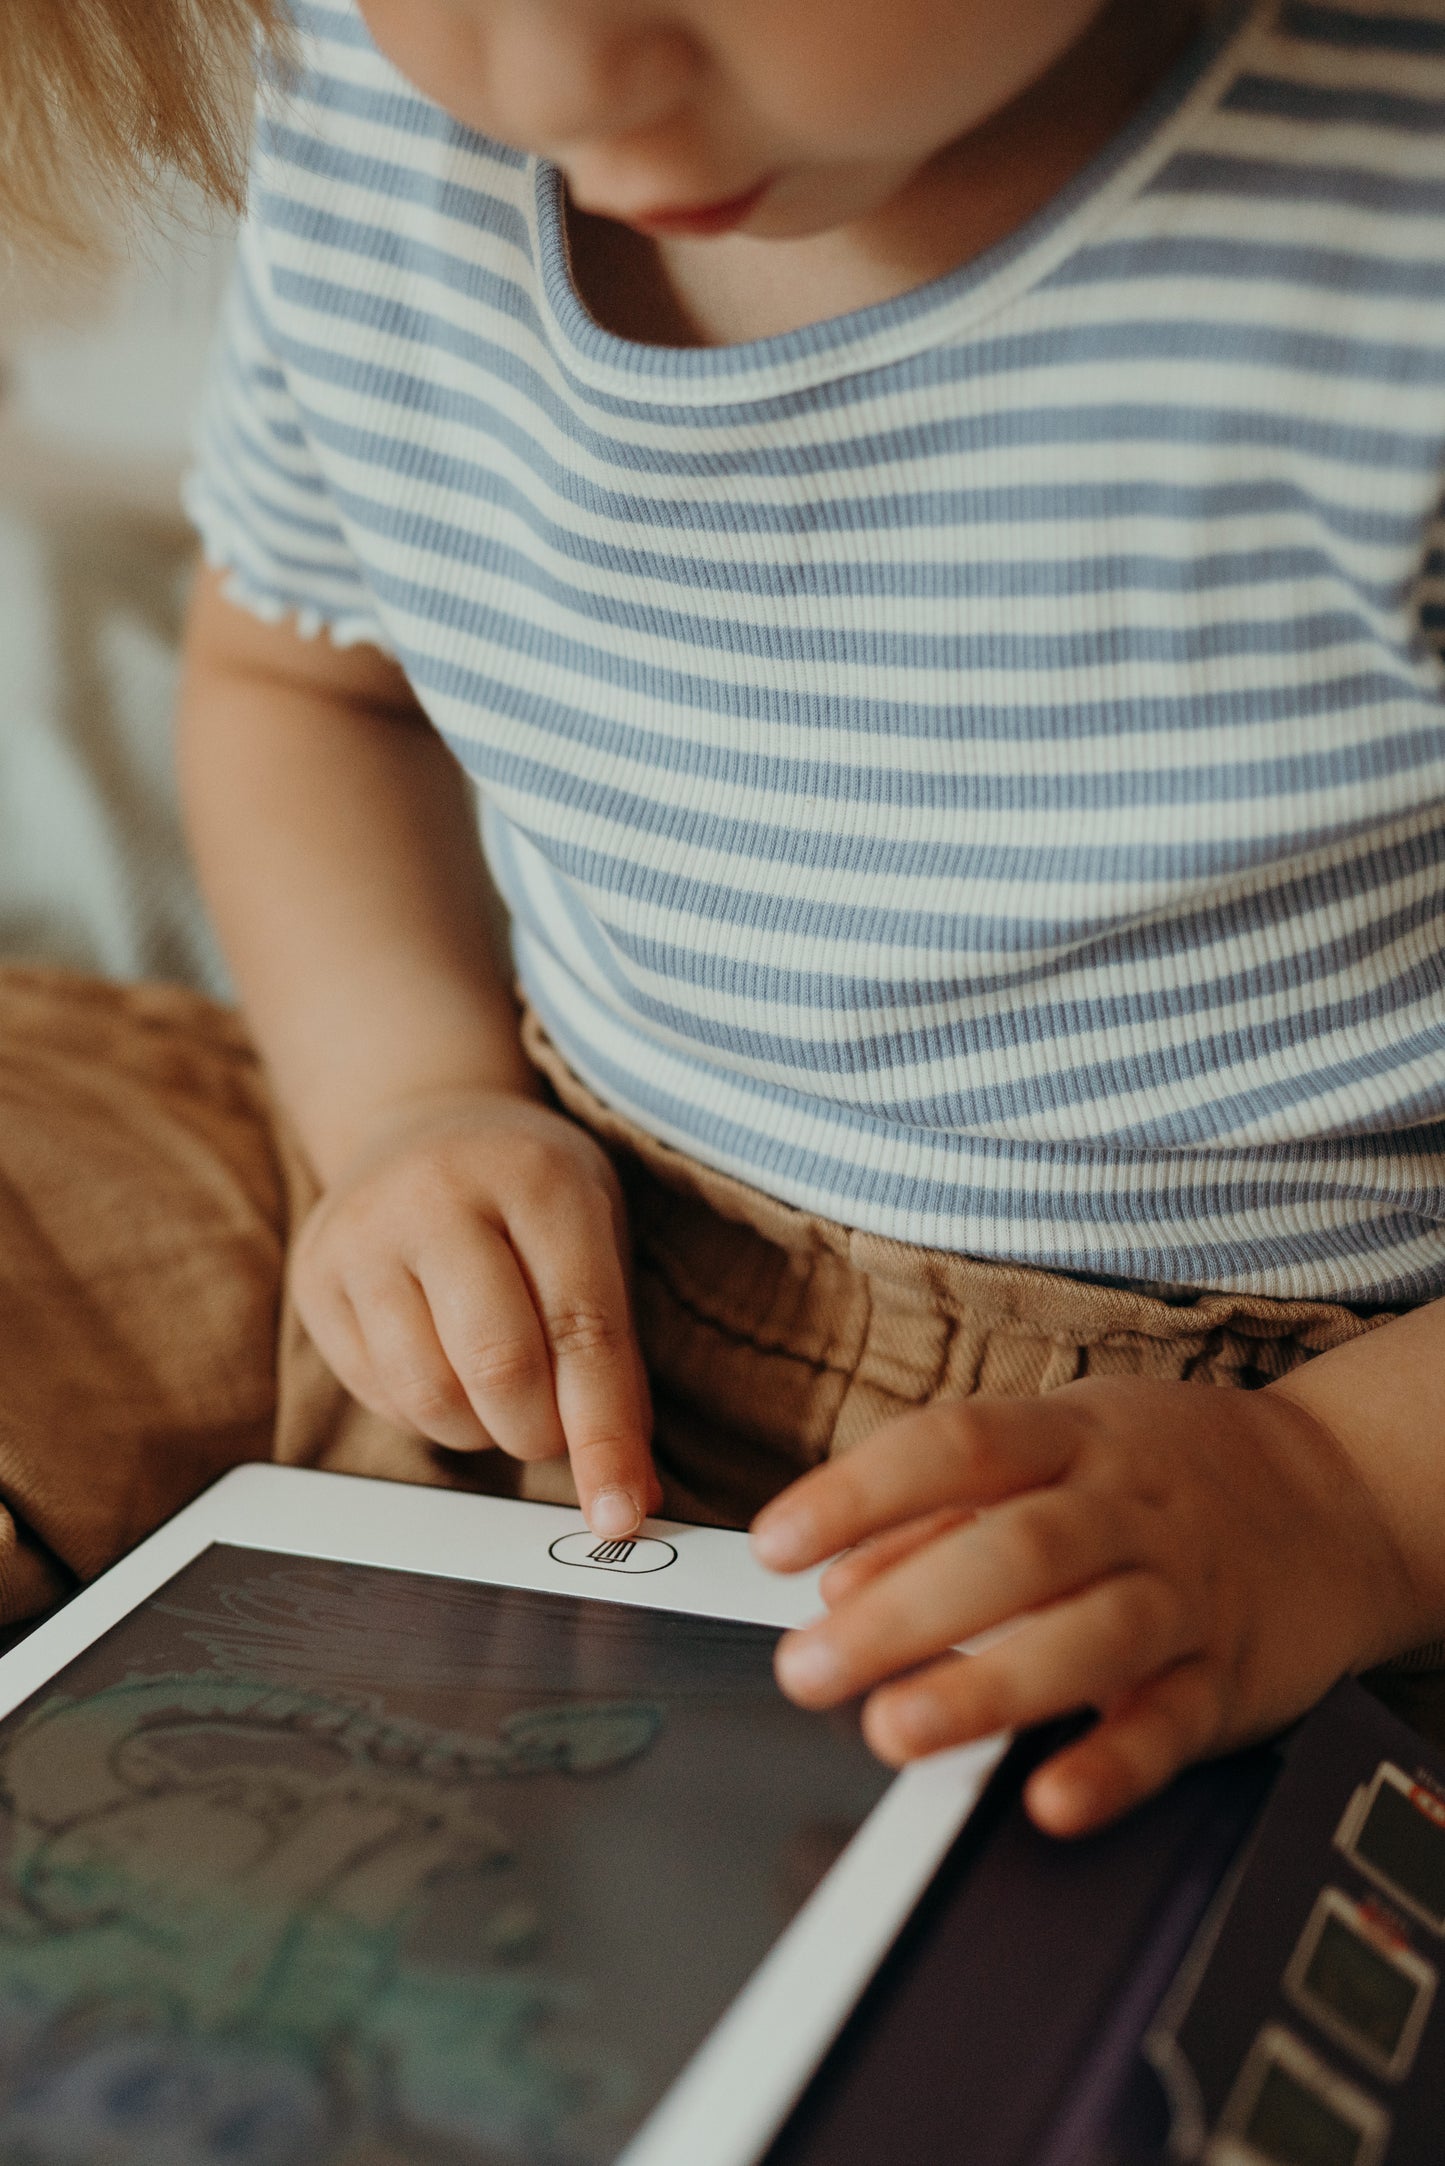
701 218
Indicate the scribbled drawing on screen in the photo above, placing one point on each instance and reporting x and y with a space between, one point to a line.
203 1949
296 1622
318 1864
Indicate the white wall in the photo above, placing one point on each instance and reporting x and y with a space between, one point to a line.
99 391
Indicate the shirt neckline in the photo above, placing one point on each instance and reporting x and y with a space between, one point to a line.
947 307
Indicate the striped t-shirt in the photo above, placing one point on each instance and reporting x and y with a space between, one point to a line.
974 768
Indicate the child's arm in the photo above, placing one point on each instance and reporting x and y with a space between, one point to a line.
463 1273
1199 1565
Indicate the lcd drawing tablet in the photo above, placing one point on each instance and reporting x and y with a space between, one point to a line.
347 1824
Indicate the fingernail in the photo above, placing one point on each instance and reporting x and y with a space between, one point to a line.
917 1722
808 1665
777 1542
614 1513
1057 1802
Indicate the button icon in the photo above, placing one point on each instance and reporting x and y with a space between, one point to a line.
637 1553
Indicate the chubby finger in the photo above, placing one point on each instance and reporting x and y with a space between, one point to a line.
493 1340
958 1454
878 1552
1081 1653
332 1325
1016 1558
579 1286
410 1365
1140 1745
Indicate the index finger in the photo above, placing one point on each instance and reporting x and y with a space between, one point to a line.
582 1297
959 1454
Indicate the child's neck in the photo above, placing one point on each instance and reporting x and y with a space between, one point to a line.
973 195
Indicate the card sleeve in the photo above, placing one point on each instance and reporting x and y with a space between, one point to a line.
255 491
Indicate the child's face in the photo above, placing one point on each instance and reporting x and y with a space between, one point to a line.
779 117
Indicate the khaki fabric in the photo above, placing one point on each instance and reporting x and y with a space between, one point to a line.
148 1195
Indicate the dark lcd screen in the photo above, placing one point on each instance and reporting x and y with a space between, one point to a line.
1359 1984
1292 2124
311 1864
1407 1847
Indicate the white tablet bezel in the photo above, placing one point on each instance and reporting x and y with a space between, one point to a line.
729 2101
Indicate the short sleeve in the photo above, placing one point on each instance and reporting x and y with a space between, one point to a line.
254 491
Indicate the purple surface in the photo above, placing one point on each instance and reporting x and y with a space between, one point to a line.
1005 2028
1006 2022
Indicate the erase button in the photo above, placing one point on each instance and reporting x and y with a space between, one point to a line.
629 1553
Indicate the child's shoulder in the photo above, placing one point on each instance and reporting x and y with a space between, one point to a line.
1353 86
1303 168
345 114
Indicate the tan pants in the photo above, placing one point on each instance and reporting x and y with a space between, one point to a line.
148 1195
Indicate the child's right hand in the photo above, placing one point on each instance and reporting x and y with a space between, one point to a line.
464 1277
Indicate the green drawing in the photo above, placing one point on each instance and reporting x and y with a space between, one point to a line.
204 1922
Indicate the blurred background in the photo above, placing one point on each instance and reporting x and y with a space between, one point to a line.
98 389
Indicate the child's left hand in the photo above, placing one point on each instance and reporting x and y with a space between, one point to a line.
1197 1564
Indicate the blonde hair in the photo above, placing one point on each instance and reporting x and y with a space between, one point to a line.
105 102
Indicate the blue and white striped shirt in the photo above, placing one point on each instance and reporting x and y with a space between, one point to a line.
974 768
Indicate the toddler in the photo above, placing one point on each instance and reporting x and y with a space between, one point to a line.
917 528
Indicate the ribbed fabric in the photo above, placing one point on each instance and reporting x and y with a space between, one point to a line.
974 769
